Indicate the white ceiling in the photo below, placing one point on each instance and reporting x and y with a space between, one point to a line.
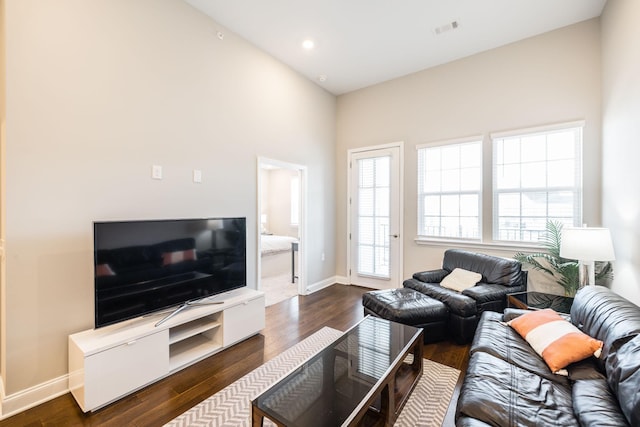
359 43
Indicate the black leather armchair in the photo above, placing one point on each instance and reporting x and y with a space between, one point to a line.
500 276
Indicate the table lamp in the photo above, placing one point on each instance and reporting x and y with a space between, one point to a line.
587 245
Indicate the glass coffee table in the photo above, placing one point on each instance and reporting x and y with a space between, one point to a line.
540 300
366 375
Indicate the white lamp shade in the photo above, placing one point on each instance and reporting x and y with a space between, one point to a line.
586 244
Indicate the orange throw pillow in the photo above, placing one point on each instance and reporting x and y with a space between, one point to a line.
556 340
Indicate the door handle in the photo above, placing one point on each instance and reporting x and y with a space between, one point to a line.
395 236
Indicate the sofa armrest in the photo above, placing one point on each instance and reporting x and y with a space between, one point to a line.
512 313
431 276
484 292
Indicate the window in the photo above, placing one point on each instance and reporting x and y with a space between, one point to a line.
450 189
537 177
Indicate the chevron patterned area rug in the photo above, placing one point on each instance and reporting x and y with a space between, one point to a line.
231 406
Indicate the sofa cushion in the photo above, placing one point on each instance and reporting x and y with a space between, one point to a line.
587 369
501 271
595 406
485 293
623 376
494 337
501 394
460 279
456 302
555 339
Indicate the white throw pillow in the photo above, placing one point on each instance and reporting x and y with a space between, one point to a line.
460 279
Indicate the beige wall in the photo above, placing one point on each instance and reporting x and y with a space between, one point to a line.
621 140
2 171
98 92
551 78
279 215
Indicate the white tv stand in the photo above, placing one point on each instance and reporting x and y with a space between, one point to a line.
108 363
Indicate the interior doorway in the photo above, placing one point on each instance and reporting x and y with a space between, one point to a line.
281 225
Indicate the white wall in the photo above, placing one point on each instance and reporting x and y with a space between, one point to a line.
551 78
99 91
621 140
279 216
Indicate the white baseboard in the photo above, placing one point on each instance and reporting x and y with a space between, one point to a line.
315 287
33 396
343 280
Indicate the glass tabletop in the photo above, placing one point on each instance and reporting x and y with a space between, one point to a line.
331 386
541 300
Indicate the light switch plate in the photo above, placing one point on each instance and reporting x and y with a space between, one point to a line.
156 172
197 175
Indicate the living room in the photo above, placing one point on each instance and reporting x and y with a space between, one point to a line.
95 93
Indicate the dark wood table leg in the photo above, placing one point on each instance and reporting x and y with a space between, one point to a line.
256 417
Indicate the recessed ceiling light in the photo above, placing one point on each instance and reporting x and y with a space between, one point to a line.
308 44
322 78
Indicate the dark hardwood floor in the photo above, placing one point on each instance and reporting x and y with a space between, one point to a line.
287 323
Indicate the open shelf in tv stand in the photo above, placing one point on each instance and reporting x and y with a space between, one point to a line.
192 340
108 363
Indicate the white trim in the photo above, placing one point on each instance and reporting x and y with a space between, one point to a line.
342 280
395 144
321 285
537 129
464 140
34 396
469 244
302 219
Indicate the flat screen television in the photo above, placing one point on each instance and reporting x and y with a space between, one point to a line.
142 267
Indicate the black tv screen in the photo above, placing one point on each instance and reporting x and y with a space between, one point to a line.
145 266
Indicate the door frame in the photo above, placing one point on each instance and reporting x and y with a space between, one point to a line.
350 154
302 225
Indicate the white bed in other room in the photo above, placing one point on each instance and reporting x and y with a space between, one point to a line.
276 253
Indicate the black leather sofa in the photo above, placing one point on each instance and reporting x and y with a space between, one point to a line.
508 384
500 276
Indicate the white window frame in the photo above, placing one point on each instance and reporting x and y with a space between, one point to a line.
423 237
576 189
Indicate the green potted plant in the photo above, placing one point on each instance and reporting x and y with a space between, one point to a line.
564 271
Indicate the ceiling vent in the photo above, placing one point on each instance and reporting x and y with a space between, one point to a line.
447 27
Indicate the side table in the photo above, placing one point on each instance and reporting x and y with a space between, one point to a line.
540 300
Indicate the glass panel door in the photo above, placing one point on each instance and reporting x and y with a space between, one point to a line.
374 207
